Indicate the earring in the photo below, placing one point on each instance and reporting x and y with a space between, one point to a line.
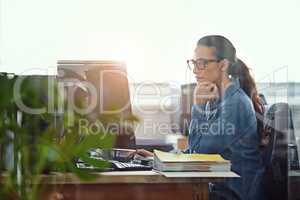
230 76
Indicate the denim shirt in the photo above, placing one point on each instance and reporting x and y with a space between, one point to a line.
228 127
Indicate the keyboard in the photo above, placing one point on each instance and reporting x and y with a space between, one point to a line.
115 166
122 166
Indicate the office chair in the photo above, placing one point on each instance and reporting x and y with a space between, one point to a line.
278 125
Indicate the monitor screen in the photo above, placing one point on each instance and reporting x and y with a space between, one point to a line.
103 84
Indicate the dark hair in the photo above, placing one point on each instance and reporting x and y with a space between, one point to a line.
224 49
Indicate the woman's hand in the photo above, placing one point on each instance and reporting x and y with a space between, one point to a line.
144 153
205 91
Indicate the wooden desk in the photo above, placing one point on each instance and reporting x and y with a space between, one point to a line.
133 185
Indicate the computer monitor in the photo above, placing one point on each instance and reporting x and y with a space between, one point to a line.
109 80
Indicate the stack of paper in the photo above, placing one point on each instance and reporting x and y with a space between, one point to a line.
164 161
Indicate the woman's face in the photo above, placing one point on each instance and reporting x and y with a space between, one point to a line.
211 71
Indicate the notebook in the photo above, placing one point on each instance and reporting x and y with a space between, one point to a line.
165 161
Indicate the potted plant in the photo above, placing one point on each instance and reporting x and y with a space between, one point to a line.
32 144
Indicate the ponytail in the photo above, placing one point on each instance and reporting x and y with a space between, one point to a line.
247 83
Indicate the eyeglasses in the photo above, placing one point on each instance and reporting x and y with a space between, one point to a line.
199 63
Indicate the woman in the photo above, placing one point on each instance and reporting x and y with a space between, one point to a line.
223 117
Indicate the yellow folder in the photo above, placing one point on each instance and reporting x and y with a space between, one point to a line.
175 157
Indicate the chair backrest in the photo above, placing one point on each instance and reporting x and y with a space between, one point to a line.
278 125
